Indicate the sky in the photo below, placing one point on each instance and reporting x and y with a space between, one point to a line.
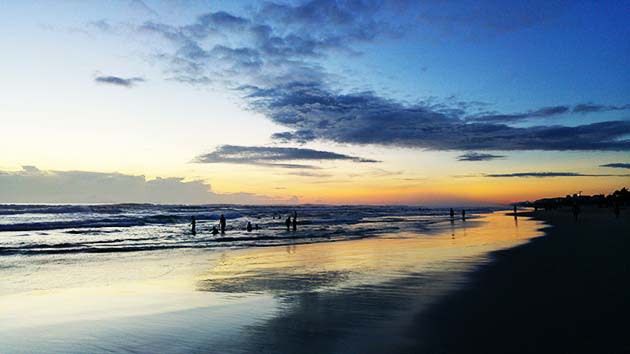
313 101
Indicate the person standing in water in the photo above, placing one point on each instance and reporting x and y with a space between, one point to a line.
452 214
193 225
464 214
222 223
295 221
288 223
249 226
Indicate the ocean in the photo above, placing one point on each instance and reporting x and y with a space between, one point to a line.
56 229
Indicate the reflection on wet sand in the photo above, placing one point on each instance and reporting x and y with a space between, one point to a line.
359 296
368 261
326 297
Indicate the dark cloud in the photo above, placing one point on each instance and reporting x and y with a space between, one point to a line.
590 108
31 185
315 113
272 156
548 174
476 156
118 81
616 165
274 66
515 117
545 112
280 36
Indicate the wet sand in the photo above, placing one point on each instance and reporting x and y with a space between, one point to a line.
567 292
352 296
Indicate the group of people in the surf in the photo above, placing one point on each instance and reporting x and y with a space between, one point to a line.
452 213
291 222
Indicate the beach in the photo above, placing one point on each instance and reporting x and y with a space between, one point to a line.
356 295
566 292
493 283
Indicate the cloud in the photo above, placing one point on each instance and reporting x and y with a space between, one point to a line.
271 58
118 81
616 165
309 174
313 112
590 108
515 117
545 112
548 174
31 185
475 156
273 156
102 25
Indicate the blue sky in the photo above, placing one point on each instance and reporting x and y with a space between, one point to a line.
144 88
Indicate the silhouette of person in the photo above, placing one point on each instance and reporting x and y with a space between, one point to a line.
249 226
193 225
288 223
616 209
576 211
464 214
222 222
452 213
294 221
214 230
256 227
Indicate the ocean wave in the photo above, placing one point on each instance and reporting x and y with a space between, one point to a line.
41 229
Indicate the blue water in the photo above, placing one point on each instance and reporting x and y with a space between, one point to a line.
50 229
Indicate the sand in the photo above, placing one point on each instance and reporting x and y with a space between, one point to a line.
568 292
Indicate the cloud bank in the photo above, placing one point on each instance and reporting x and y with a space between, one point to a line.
271 58
546 112
616 165
273 156
476 156
31 185
118 81
548 174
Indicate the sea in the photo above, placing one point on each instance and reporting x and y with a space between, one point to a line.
103 228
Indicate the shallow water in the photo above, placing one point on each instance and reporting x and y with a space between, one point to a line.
356 295
56 229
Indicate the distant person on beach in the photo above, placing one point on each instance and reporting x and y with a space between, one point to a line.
514 211
256 227
249 226
288 222
452 213
616 210
295 221
576 211
193 225
214 230
464 214
222 222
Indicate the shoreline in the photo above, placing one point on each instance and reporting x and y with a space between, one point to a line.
565 292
